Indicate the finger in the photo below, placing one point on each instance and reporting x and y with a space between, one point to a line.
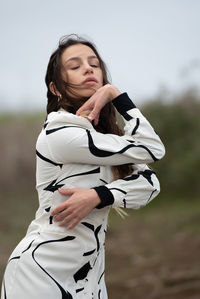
96 121
73 224
66 220
59 209
65 191
94 114
60 216
86 106
85 113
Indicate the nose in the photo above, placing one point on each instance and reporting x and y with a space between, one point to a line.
88 68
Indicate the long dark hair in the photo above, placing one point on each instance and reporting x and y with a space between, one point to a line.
107 120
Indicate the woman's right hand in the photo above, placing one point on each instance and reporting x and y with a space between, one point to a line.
79 204
92 107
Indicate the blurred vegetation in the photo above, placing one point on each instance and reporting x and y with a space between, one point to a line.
178 124
18 136
152 239
176 121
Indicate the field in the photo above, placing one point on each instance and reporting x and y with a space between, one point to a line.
154 252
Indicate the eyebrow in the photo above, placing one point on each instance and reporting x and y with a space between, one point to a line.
78 58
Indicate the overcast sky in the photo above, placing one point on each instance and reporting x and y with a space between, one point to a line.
146 44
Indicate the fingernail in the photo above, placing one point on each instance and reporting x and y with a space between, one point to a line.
89 117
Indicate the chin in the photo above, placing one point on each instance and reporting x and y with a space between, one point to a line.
86 93
83 93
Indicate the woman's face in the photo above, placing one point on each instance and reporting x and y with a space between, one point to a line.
80 66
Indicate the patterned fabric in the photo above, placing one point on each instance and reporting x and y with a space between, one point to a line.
51 262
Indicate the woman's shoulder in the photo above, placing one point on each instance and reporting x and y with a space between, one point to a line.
62 118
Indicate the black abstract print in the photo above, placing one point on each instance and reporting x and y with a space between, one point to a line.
51 262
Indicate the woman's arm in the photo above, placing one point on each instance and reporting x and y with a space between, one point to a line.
77 144
71 143
79 204
133 192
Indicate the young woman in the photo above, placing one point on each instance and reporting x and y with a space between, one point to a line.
85 166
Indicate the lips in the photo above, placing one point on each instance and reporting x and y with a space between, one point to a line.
90 80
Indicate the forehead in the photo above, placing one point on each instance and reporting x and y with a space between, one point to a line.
79 50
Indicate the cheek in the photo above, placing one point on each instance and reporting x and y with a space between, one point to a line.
70 77
73 77
100 77
65 76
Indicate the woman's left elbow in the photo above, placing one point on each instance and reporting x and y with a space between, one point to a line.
160 153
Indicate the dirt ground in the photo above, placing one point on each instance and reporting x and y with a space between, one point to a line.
154 253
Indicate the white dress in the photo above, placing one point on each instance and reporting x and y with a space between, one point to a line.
51 261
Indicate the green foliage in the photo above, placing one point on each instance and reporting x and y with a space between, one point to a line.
177 122
178 125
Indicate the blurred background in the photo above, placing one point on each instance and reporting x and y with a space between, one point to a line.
152 50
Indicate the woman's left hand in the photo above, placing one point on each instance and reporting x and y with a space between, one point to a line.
92 107
76 207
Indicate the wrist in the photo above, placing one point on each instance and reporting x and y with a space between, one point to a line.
105 195
114 92
95 197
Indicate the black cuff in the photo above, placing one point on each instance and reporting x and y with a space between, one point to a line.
105 196
123 103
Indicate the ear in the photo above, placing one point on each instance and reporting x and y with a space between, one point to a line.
53 89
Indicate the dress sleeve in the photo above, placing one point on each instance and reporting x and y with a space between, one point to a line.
133 191
76 143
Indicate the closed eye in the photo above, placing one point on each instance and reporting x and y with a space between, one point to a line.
94 65
75 67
